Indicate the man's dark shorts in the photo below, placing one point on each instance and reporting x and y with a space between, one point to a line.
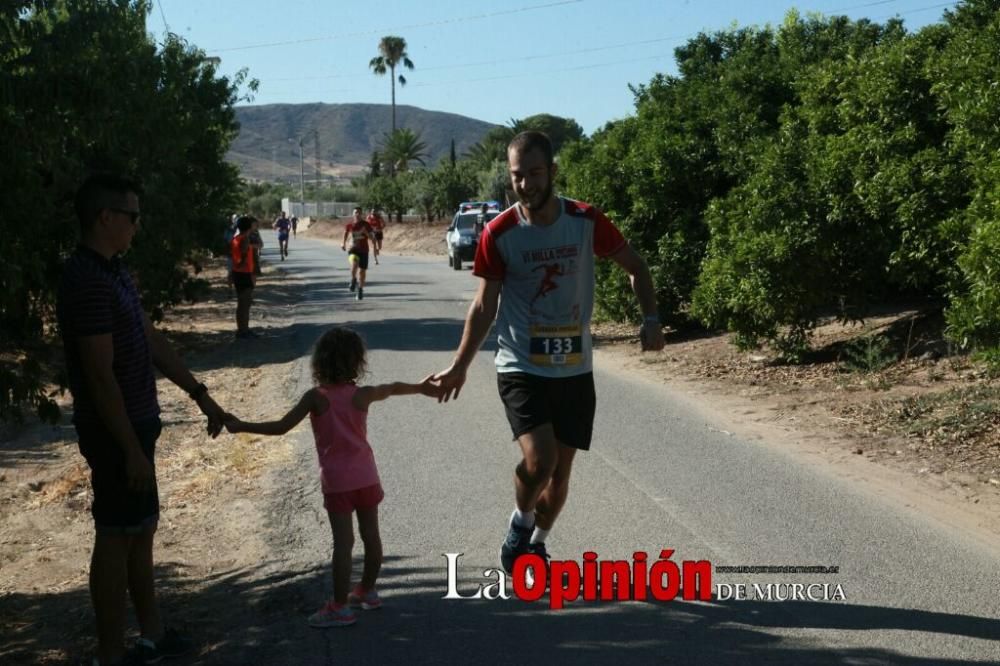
378 235
242 281
568 403
362 258
118 510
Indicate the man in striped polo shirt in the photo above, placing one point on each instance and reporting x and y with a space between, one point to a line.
111 352
535 263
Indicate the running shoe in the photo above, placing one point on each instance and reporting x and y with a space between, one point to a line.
354 284
361 293
359 598
332 615
515 545
173 644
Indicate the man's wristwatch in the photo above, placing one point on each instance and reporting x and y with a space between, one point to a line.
198 392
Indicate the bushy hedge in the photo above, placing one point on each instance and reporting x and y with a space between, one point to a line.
83 87
812 169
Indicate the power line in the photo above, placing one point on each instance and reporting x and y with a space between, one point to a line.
560 54
506 60
918 9
847 9
569 69
599 65
163 16
383 31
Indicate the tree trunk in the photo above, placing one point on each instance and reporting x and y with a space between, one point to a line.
392 79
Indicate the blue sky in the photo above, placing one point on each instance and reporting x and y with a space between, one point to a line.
486 59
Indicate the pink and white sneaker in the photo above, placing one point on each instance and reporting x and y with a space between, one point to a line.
366 600
332 615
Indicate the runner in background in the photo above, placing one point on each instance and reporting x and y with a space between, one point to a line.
377 224
361 234
283 225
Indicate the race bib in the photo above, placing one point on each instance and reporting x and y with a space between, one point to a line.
556 345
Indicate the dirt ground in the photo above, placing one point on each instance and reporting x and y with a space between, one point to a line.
925 428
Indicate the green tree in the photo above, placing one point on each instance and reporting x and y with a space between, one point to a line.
452 186
83 87
560 130
392 53
401 148
847 205
389 194
966 78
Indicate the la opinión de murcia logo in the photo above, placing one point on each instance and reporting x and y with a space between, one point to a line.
622 580
606 580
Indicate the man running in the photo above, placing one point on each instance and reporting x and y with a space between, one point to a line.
283 225
377 224
544 362
360 233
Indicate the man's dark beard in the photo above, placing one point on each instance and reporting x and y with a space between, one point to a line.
546 194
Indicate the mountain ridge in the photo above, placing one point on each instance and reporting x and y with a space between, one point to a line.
267 147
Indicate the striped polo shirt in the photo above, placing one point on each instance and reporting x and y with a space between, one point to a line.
97 296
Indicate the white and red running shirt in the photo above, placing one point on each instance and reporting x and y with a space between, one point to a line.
547 299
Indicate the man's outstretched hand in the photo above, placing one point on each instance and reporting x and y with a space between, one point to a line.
450 382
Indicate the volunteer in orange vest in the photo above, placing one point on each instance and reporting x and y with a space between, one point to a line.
244 278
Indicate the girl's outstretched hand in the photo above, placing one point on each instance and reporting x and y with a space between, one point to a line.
430 387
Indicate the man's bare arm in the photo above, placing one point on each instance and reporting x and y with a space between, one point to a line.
645 292
478 321
173 368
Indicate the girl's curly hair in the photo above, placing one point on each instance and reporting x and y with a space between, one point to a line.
339 357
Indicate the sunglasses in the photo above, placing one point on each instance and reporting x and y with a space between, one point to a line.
133 215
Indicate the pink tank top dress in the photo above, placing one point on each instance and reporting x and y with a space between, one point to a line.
346 460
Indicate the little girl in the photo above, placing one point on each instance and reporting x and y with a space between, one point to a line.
338 410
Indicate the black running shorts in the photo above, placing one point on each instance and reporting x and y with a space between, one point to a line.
117 509
362 258
242 281
568 403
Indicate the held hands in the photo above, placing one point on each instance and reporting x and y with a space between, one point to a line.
233 424
216 415
449 382
430 387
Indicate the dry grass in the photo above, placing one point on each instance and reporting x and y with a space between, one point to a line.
71 485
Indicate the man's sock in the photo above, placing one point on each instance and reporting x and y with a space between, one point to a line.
523 518
539 535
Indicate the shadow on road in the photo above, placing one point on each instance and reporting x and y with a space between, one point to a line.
281 344
257 615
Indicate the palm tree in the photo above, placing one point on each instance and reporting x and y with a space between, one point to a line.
392 52
402 147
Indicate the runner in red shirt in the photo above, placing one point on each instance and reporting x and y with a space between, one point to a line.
377 224
360 233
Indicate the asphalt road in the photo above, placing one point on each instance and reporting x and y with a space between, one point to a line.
659 476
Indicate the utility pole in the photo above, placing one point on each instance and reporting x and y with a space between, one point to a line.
302 167
302 174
